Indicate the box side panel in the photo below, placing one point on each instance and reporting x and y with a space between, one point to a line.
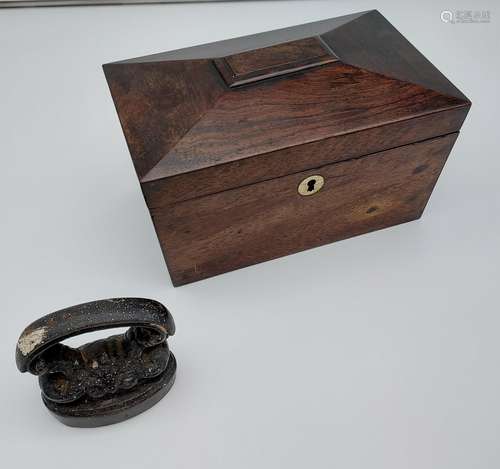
163 192
211 235
157 103
304 107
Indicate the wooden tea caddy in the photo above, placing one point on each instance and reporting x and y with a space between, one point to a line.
261 146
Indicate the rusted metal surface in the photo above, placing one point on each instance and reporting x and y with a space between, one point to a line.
108 380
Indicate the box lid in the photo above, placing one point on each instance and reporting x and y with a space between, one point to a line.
226 102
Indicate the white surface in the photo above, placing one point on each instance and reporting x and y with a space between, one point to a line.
377 352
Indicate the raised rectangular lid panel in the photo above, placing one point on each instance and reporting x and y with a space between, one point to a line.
268 62
179 115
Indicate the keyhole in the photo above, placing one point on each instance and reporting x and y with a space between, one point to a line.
311 185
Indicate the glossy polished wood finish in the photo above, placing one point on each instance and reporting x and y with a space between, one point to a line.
158 104
166 191
323 102
205 122
240 227
255 65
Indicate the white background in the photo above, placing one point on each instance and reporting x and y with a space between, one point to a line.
381 351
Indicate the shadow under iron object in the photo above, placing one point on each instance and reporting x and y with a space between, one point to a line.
261 146
106 381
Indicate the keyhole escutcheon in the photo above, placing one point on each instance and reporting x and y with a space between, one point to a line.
311 185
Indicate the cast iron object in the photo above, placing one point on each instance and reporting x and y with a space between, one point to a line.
106 381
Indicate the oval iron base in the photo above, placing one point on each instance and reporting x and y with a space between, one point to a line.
108 410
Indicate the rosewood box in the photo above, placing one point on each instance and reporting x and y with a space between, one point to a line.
257 147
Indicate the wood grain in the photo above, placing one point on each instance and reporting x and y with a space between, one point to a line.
221 135
166 191
323 102
260 64
373 43
158 103
255 223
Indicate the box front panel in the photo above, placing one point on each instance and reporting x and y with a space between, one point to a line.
213 234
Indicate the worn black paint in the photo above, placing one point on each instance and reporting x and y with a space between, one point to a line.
108 380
